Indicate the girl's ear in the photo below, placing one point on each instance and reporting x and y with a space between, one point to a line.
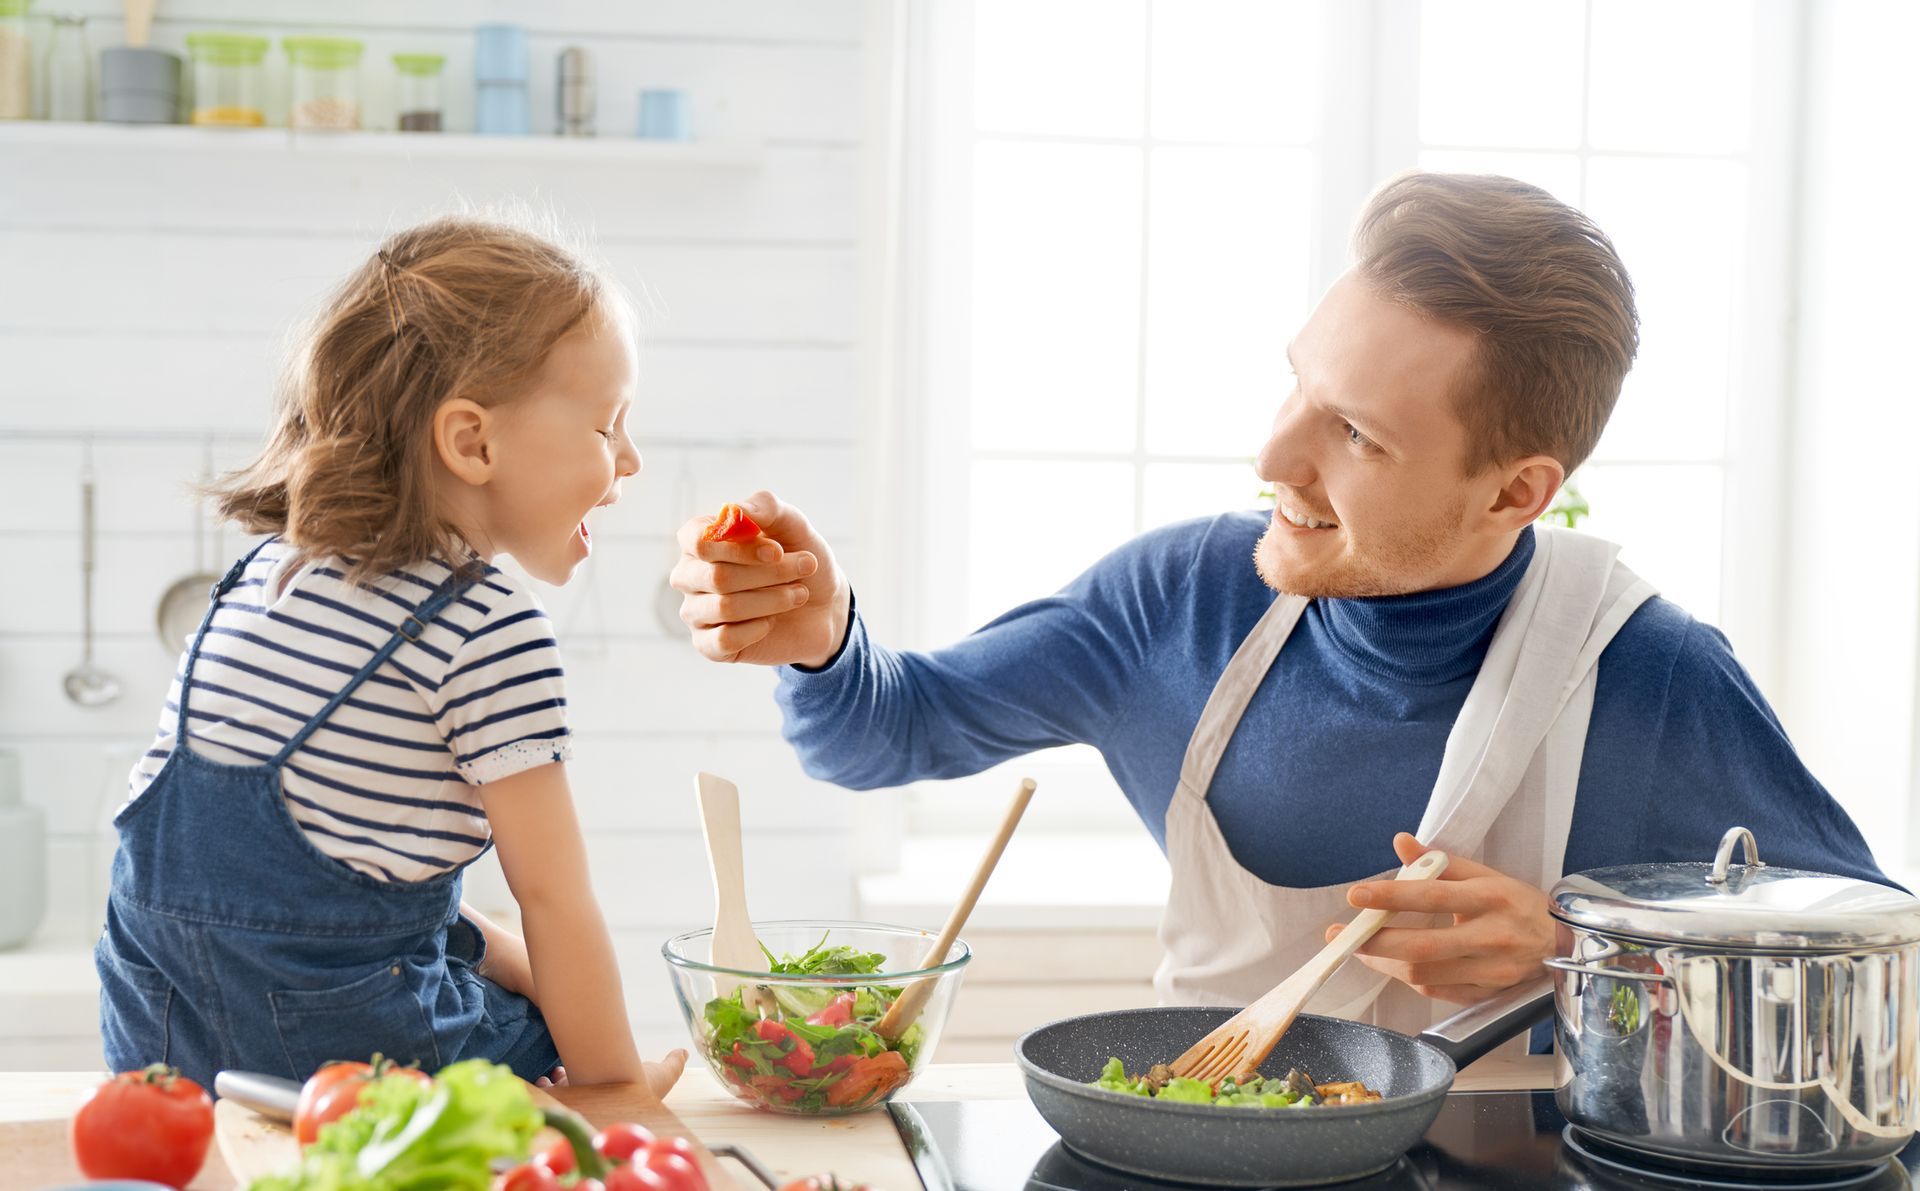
461 430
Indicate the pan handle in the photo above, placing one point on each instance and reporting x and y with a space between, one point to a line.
1477 1029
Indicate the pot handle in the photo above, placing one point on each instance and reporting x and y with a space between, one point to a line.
1562 964
1478 1029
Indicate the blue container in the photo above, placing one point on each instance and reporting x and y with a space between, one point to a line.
663 116
501 106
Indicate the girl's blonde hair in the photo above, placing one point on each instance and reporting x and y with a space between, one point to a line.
458 307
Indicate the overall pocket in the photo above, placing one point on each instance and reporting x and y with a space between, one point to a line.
136 1006
378 1012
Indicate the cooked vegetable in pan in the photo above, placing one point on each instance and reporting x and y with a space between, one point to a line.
1296 1089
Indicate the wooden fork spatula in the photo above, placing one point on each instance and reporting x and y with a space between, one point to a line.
734 945
1240 1044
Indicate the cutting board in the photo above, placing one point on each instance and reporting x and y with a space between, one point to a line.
254 1145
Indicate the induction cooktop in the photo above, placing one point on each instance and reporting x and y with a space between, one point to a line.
1481 1140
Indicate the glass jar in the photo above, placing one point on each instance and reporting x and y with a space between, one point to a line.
325 86
229 79
69 74
422 99
16 61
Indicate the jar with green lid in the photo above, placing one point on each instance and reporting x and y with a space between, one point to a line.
325 85
16 61
422 100
229 79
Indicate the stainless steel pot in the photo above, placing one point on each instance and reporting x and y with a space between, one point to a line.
1738 1014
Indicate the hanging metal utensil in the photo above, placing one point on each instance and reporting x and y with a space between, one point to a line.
87 684
185 600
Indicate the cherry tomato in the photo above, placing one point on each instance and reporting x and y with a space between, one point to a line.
152 1124
556 1155
636 1178
617 1143
528 1176
732 525
335 1089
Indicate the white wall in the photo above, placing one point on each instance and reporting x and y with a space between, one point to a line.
1853 527
146 285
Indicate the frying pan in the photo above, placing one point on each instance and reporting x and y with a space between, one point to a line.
1260 1147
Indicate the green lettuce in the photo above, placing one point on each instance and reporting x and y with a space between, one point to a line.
409 1136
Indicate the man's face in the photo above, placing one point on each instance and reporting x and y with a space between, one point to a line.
1367 452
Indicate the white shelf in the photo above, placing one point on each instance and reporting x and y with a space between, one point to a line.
625 150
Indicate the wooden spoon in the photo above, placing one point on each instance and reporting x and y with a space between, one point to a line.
734 944
1238 1045
913 998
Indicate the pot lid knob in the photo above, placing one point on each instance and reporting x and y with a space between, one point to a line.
1721 858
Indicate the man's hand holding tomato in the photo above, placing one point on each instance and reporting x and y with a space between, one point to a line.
774 599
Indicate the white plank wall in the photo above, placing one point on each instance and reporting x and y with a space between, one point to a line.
147 290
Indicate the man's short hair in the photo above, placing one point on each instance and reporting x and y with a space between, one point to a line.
1539 282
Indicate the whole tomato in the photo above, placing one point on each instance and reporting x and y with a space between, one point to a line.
335 1089
152 1124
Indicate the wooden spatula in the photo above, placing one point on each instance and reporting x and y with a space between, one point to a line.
734 944
1240 1044
913 998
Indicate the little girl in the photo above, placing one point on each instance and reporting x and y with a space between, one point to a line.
368 705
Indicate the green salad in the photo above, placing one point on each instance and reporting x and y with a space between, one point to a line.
816 1050
1296 1089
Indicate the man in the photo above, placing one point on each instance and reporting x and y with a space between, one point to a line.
1453 676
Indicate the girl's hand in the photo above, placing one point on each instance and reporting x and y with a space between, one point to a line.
661 1076
507 964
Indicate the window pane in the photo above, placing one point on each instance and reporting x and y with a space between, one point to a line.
1178 491
1680 227
1667 521
1237 70
1075 67
1226 290
1502 72
1556 173
1056 296
1012 557
1701 54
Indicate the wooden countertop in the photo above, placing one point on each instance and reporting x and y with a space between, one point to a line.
34 1107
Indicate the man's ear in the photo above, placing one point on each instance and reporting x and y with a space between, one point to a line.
461 433
1527 489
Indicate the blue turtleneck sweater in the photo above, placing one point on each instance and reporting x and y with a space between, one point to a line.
1341 744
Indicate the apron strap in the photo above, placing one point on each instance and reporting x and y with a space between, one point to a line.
1234 690
410 629
220 589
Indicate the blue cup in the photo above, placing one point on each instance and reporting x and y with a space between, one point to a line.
663 116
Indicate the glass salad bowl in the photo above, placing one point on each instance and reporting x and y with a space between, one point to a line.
797 1036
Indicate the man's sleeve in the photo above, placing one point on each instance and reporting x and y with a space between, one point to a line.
1724 760
1051 672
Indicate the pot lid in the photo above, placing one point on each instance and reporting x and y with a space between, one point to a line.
1752 906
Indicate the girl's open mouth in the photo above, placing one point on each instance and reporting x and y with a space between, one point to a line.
586 538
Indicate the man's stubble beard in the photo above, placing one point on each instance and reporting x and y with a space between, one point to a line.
1405 563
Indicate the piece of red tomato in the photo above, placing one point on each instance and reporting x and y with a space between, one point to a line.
335 1089
556 1154
838 1012
152 1124
731 525
870 1079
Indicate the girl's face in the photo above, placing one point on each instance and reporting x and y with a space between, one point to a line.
560 450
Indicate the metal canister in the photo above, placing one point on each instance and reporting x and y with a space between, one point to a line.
1744 1015
577 103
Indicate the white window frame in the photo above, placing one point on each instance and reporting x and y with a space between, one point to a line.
1368 131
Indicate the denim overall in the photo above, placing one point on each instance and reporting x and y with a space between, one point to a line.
232 942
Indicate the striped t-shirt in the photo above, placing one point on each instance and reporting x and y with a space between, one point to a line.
388 784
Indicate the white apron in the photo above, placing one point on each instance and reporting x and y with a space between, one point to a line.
1504 795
